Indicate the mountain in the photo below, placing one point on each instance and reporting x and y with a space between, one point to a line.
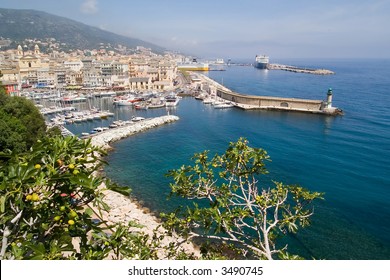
18 25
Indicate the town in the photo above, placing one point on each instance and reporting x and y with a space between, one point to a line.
104 69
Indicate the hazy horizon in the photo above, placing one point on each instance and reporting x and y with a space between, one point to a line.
238 29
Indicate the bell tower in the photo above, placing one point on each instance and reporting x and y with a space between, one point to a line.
20 51
36 50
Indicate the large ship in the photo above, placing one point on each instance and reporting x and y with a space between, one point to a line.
261 61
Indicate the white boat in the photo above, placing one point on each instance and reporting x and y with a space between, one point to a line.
223 105
98 129
171 100
137 119
124 102
105 94
208 100
127 100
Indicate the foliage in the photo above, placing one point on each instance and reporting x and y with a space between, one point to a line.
51 207
21 124
238 213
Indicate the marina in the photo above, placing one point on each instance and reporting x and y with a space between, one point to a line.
215 94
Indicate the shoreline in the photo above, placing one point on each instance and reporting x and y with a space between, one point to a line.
125 208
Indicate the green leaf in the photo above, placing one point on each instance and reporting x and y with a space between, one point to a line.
2 203
89 212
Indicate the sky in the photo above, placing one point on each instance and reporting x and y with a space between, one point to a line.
238 28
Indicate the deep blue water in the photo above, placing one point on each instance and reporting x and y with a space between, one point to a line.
347 157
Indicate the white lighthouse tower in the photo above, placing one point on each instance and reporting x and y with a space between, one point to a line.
329 99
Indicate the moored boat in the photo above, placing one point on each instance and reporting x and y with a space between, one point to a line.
137 119
261 62
171 100
223 105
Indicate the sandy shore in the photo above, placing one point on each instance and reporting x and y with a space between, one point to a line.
123 209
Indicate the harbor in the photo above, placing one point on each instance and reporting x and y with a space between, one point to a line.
277 130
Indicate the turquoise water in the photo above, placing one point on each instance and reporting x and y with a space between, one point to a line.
347 157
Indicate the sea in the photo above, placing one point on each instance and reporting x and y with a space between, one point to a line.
346 157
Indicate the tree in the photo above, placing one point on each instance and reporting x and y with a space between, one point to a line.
21 123
238 212
51 205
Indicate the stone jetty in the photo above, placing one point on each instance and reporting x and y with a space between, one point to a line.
103 139
296 69
256 102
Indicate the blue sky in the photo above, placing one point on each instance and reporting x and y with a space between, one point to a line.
240 28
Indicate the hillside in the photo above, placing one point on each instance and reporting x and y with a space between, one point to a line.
18 25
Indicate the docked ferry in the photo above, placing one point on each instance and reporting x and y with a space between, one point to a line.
261 62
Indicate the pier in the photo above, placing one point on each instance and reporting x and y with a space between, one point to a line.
103 139
296 69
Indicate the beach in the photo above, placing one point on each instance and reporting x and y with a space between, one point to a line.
124 209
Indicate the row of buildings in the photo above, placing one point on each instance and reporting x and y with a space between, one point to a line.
22 69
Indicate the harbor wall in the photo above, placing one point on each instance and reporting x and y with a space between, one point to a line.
269 102
104 138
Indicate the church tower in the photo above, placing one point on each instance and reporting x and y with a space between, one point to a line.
20 51
36 50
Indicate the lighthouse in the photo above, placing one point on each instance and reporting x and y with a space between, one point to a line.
329 99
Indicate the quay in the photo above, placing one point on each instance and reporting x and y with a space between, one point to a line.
296 69
254 102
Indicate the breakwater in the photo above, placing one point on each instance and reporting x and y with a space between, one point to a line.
296 69
103 139
255 102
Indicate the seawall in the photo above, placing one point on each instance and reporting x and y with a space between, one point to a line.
255 102
296 69
103 139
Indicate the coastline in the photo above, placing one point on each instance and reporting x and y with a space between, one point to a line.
125 209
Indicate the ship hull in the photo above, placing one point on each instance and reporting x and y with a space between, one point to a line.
261 65
261 62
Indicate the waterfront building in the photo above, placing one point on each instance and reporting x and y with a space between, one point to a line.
10 74
140 83
44 78
141 71
11 88
74 65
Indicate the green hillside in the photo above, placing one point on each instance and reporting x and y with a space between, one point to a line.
18 25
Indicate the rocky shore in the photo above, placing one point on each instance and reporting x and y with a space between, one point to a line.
103 139
123 208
